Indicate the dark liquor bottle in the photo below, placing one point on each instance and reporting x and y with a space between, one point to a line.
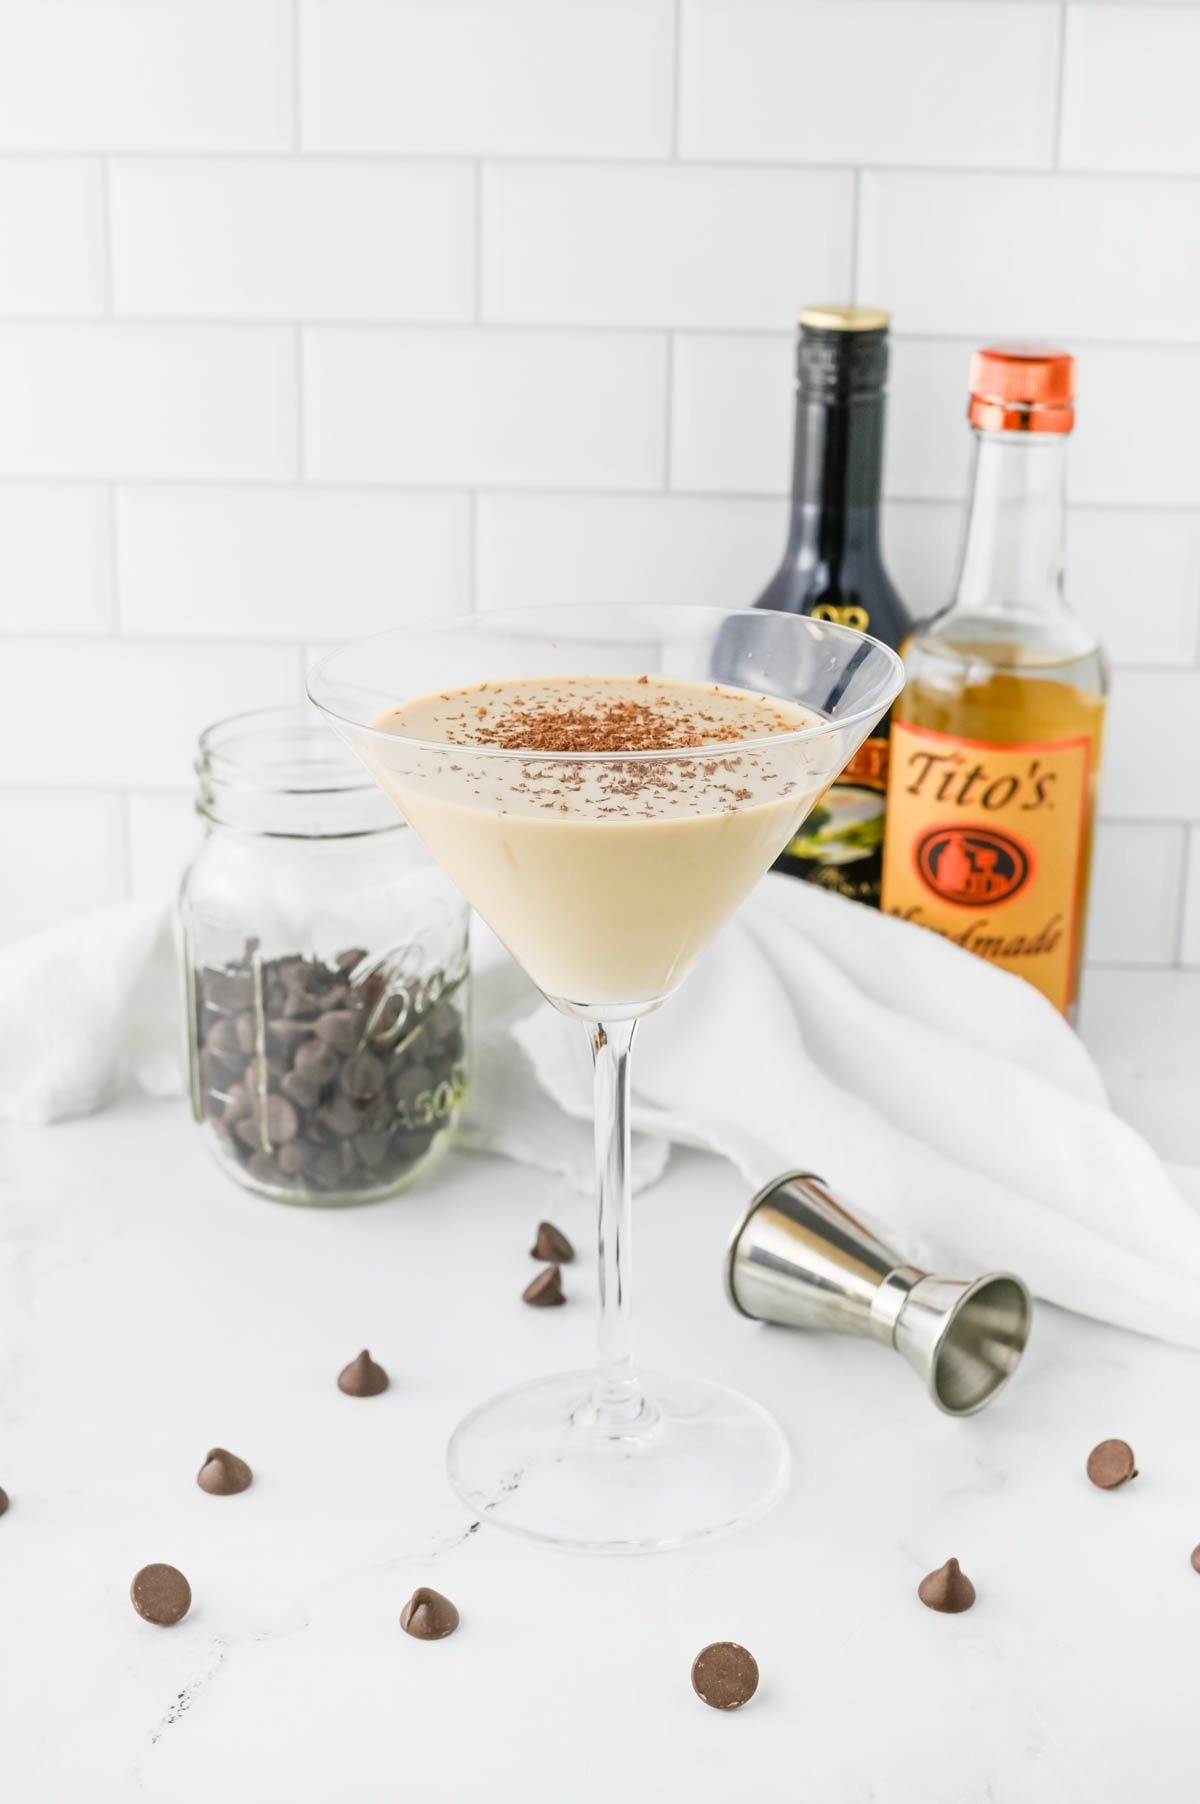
833 569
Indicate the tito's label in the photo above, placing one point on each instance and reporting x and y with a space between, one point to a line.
985 845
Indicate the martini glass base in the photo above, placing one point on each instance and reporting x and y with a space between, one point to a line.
698 1460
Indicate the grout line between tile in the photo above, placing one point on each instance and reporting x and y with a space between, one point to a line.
477 271
676 74
297 133
276 324
1060 97
799 163
403 487
473 550
115 610
1187 875
106 240
301 419
669 410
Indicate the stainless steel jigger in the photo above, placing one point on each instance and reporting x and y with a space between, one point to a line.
799 1258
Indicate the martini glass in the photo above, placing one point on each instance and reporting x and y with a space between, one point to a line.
606 872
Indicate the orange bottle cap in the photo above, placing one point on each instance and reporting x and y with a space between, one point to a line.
1022 388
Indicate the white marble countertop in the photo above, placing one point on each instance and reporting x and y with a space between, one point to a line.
148 1310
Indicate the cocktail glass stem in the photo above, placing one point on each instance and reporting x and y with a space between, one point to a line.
617 1400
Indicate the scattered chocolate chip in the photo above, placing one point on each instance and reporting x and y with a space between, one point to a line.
161 1594
362 1377
948 1589
1196 1559
428 1615
552 1244
545 1291
223 1474
346 961
3 1501
725 1675
1111 1464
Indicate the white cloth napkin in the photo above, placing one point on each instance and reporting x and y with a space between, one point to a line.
89 1007
945 1100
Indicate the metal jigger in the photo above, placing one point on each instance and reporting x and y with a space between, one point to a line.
799 1258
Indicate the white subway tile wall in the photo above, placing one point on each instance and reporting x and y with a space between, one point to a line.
146 75
541 78
288 562
485 407
319 315
194 238
622 245
164 402
52 230
833 81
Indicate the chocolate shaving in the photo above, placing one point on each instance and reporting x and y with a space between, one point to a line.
665 722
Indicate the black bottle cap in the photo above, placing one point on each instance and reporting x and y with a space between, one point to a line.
842 352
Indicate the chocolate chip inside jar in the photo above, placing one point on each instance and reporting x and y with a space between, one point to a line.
327 1081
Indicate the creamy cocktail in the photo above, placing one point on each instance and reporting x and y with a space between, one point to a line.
605 876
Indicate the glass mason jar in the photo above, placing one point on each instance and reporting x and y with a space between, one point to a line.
327 970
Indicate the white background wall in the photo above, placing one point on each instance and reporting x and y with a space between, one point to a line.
316 317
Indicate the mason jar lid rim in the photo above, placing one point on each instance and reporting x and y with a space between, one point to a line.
217 753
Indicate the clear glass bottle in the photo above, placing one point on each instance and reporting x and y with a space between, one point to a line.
327 970
997 737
